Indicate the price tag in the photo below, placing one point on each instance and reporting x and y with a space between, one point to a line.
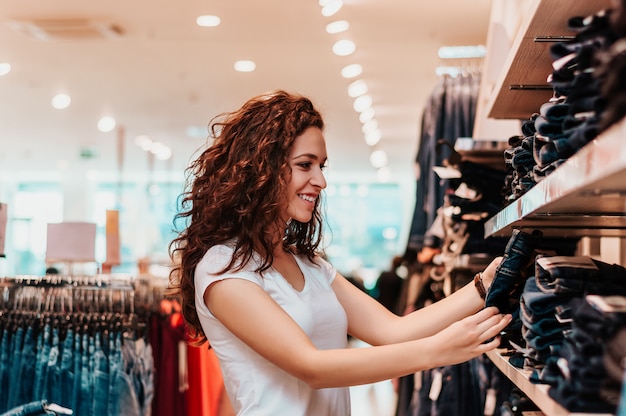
490 402
435 387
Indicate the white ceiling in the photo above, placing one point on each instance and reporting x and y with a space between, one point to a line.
165 74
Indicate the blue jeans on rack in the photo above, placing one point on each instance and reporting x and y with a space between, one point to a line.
42 360
77 364
100 378
85 398
4 373
52 387
17 344
35 408
67 370
27 372
115 364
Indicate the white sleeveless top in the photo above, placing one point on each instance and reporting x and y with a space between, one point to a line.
254 385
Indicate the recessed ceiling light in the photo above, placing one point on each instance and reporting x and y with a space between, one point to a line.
362 103
357 88
245 66
367 115
5 68
106 124
344 47
383 174
370 126
378 159
144 142
351 71
337 26
61 101
373 137
208 20
331 7
462 52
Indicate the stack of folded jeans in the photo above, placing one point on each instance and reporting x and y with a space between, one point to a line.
586 385
573 117
563 333
544 320
519 162
613 67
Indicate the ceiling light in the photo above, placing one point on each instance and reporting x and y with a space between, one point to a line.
61 101
245 66
331 7
383 174
389 233
357 88
370 126
351 71
5 68
362 103
373 137
144 142
161 151
461 52
208 20
366 115
106 124
344 47
378 159
337 26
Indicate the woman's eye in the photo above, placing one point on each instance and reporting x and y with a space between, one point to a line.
305 165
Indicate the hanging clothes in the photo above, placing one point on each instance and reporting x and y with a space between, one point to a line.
448 114
76 343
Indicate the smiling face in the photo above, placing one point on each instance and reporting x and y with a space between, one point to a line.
307 159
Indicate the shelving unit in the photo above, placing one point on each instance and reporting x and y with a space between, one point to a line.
585 196
523 85
538 393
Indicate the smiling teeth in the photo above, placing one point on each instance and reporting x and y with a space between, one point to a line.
307 198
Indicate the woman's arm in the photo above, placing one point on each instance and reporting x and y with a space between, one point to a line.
372 323
253 316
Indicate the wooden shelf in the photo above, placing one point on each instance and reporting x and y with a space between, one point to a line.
523 85
585 196
537 393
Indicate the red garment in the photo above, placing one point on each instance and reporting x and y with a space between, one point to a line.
205 382
166 332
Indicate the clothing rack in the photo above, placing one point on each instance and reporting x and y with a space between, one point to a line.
73 339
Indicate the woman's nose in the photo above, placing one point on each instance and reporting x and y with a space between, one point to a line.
319 179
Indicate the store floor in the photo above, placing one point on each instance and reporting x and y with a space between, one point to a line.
378 399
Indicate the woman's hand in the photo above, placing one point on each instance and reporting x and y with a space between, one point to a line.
470 337
490 272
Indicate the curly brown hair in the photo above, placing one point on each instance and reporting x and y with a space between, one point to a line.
235 192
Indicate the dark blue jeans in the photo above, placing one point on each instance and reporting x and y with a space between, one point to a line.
67 371
17 344
27 372
42 361
575 275
36 408
100 379
4 373
509 278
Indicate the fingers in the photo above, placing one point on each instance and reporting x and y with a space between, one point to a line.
493 326
485 313
488 346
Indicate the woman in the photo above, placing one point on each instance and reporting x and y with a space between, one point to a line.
252 282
